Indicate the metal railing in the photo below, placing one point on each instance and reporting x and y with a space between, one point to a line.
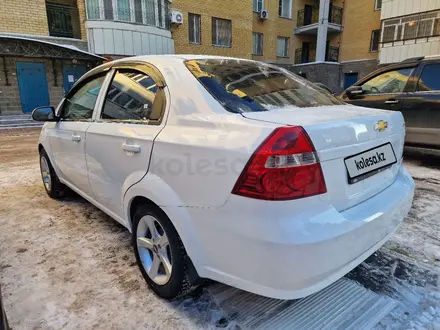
301 55
332 54
335 15
312 16
63 20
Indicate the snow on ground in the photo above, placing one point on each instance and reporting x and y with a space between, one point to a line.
407 268
67 265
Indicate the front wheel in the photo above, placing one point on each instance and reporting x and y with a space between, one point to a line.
54 188
160 253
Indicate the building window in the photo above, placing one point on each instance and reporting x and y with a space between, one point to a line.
194 28
138 15
285 8
148 12
258 5
257 43
375 37
422 25
108 10
92 7
221 32
124 10
377 4
62 20
283 47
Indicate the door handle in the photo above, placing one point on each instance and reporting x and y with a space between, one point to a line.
131 147
392 102
76 138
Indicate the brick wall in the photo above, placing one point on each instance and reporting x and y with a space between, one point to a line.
24 16
360 19
10 102
30 17
239 12
272 28
82 17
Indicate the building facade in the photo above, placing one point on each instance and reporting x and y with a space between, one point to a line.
46 45
410 28
214 27
334 42
42 52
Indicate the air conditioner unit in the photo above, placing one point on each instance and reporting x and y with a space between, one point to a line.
264 14
176 17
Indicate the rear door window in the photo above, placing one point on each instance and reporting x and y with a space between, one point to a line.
388 82
133 97
246 86
430 78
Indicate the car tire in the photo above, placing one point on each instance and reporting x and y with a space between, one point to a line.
168 286
54 188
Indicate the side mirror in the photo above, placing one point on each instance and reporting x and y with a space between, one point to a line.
46 113
354 91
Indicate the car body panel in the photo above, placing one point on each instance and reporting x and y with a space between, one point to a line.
69 155
111 169
338 132
289 250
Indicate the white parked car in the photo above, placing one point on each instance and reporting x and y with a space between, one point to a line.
229 169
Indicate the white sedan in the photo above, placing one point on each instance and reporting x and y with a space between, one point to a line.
229 169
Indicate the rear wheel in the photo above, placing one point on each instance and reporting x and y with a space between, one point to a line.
54 188
160 253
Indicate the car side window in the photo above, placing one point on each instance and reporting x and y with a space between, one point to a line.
388 82
80 104
134 97
429 80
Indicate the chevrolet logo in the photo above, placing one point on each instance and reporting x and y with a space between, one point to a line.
381 126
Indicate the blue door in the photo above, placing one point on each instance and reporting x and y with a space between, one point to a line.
32 84
350 79
71 73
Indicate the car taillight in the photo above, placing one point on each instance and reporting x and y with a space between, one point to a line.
285 166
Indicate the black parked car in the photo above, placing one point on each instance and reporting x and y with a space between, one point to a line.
412 87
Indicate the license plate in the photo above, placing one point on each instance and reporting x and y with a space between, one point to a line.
369 162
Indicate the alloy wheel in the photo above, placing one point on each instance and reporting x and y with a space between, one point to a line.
45 173
154 249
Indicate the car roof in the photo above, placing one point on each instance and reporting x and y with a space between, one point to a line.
160 62
179 57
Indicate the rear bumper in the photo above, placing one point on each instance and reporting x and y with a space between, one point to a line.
292 249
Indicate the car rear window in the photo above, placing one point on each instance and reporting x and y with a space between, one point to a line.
247 86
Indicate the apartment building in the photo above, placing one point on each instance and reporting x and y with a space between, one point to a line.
42 52
410 28
46 45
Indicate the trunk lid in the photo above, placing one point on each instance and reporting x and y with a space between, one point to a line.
339 132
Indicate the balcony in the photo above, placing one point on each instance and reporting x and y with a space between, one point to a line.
308 54
130 28
307 20
63 21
